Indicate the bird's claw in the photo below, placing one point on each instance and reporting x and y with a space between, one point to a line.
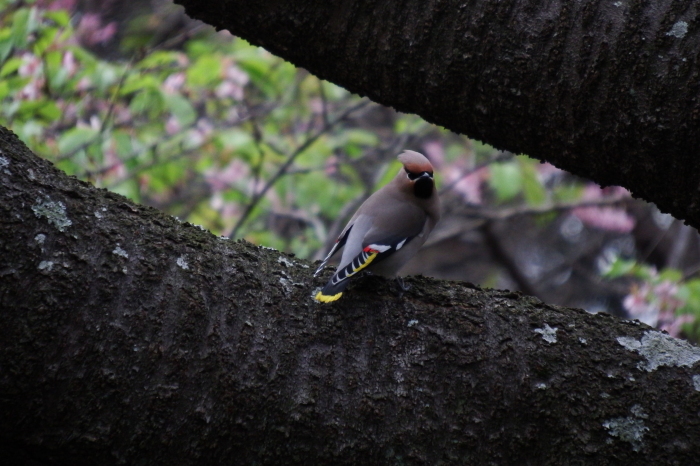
402 285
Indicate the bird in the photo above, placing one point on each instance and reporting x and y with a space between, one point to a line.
388 229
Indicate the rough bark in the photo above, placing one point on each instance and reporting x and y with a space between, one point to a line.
128 337
607 90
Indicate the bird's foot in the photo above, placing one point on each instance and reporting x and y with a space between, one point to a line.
402 286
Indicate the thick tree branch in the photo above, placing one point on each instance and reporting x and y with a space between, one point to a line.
128 337
606 90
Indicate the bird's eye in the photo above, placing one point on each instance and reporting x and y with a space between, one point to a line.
411 176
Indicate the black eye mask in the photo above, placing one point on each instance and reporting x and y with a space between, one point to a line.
414 176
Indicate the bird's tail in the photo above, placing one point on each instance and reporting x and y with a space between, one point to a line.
332 291
339 281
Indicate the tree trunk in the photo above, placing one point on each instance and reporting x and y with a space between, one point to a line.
128 337
607 90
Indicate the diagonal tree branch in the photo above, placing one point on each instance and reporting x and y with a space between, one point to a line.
606 90
128 337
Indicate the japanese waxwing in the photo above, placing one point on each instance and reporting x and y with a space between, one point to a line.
389 227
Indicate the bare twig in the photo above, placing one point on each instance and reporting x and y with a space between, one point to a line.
501 214
502 256
482 214
324 102
290 160
106 120
501 156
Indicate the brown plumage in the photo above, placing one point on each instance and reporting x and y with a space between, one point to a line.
389 227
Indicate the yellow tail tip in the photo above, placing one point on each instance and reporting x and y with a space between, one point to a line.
323 298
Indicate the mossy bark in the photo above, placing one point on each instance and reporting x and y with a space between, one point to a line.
607 90
128 337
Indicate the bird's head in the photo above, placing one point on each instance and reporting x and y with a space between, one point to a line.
417 174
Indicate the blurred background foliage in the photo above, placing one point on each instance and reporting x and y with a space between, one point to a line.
135 97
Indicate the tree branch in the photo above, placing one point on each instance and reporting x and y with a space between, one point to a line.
604 90
129 337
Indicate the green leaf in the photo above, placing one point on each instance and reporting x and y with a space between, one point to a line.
690 293
506 180
205 71
29 109
481 150
159 59
76 138
181 108
55 71
20 27
620 267
60 17
10 66
4 89
104 76
5 48
389 172
234 138
534 192
672 275
360 137
123 143
50 111
46 38
148 101
139 82
568 193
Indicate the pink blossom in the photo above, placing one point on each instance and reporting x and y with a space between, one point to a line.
225 33
606 218
674 325
229 89
547 171
469 187
234 172
84 84
69 111
331 166
172 126
205 126
316 105
639 307
122 114
92 32
592 192
32 90
666 293
31 65
435 152
195 138
236 75
182 60
174 83
68 63
116 168
233 115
